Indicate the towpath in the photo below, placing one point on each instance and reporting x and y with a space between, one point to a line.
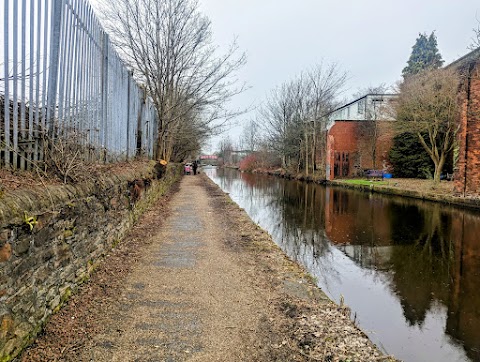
187 298
200 282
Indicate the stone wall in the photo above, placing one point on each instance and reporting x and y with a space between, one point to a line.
467 174
52 238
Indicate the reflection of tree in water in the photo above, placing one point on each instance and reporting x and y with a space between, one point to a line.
421 262
304 206
304 236
293 213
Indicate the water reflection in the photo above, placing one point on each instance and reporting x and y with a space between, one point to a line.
410 270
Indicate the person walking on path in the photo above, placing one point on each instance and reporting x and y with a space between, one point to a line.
195 166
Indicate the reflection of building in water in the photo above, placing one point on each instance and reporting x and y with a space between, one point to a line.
359 227
350 218
464 305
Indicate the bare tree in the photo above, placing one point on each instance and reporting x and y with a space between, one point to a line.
277 118
226 151
427 106
326 84
300 92
293 114
169 45
370 130
476 37
250 137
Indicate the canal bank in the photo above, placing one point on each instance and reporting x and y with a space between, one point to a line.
199 281
420 189
413 188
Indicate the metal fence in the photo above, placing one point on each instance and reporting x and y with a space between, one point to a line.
60 75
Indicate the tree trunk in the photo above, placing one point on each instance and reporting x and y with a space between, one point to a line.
306 153
314 149
438 168
438 160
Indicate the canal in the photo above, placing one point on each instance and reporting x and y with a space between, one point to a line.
408 269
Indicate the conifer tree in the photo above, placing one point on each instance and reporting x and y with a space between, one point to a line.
424 56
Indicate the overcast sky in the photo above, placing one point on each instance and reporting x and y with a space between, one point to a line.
370 39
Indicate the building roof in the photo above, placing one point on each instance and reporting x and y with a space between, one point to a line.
358 99
474 55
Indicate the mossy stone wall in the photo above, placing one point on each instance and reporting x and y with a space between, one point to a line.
52 238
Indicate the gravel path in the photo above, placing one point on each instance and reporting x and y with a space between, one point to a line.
187 298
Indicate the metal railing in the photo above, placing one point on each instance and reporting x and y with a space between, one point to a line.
61 75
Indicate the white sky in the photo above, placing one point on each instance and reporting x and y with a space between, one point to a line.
370 39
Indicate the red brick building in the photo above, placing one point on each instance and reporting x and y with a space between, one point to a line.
359 136
467 171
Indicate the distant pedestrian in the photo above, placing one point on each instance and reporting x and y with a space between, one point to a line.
195 165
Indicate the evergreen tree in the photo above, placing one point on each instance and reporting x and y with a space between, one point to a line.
408 157
425 55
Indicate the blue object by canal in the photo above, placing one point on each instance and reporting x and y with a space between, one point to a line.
387 175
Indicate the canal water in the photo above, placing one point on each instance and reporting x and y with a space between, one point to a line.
408 269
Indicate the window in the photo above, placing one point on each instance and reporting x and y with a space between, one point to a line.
361 106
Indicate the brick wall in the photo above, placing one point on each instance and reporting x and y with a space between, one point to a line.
341 138
355 138
41 264
467 173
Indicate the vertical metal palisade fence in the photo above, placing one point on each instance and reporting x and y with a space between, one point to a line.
61 76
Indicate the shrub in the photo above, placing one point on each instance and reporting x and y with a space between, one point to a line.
249 163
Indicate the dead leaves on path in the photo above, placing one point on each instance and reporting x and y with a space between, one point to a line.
326 334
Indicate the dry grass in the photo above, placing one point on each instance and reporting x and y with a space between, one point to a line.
424 186
14 180
11 180
418 185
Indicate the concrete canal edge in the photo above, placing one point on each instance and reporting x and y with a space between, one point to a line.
465 202
312 323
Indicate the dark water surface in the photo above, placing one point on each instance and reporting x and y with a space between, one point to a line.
409 270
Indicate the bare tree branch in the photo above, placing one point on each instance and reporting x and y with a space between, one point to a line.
292 115
476 37
427 106
169 45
